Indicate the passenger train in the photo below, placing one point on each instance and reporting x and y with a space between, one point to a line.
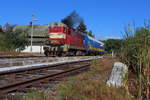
66 41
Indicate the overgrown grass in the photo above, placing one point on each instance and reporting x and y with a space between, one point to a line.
92 85
33 96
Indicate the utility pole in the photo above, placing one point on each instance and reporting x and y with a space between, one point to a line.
33 20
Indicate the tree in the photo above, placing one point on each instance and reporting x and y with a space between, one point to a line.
1 37
82 28
113 45
13 39
90 33
1 29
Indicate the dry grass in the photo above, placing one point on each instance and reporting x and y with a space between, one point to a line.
91 85
33 96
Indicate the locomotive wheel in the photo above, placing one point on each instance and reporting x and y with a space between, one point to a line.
46 53
64 54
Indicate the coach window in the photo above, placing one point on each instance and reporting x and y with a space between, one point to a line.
92 44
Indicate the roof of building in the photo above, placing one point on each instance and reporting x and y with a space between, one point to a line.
38 30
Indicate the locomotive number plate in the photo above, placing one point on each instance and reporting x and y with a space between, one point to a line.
55 42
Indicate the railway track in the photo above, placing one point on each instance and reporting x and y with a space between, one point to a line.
20 79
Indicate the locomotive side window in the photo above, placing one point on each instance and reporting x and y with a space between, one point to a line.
65 30
69 32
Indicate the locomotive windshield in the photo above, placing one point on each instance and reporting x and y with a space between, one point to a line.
57 35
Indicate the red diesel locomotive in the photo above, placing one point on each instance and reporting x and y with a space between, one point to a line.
63 41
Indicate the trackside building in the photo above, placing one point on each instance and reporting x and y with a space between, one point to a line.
40 33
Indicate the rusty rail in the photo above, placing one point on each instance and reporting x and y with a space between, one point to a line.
20 85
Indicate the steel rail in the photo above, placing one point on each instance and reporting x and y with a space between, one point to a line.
22 84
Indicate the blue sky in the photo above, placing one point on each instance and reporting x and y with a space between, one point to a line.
106 18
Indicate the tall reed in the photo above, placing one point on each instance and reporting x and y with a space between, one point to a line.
135 52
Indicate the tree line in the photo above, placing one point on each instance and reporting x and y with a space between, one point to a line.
12 40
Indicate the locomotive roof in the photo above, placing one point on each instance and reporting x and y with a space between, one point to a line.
58 24
96 40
